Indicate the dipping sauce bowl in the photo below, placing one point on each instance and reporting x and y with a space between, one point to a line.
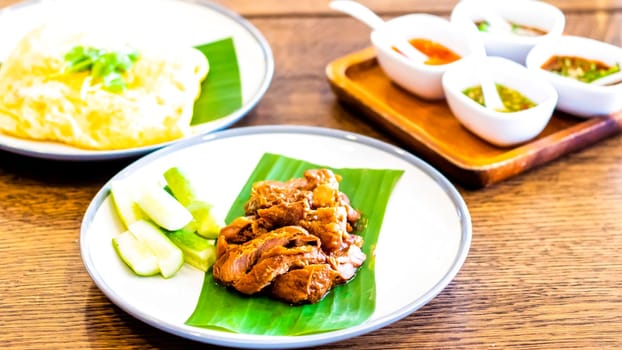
500 128
527 23
417 77
576 97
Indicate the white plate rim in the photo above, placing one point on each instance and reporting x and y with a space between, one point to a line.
222 123
228 339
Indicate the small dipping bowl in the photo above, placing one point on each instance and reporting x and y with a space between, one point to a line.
417 77
576 97
500 128
530 13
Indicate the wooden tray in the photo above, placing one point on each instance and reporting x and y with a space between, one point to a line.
430 130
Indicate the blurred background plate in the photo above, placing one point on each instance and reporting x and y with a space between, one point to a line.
184 22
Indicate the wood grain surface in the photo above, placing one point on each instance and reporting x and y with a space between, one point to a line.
544 270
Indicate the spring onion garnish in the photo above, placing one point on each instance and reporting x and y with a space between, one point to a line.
105 67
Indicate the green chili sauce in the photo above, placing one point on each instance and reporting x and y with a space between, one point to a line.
579 68
513 100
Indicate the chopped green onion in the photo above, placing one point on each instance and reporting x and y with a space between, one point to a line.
106 67
483 26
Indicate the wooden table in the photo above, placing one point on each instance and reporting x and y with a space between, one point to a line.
545 266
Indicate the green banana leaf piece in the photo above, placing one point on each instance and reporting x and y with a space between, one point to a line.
221 91
345 306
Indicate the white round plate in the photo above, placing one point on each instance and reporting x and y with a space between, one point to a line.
424 240
183 22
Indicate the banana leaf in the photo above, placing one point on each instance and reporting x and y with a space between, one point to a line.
345 306
221 90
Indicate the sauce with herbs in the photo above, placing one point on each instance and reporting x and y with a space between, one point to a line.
579 68
517 29
437 53
512 99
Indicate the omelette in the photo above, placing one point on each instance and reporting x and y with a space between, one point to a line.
40 99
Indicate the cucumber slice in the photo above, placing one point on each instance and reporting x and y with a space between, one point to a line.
135 254
170 258
198 251
180 186
123 198
205 222
163 208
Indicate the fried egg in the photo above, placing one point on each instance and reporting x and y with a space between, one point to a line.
41 101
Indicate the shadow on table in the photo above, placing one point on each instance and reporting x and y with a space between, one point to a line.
58 172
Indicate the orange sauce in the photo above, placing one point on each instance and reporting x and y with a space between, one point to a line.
437 53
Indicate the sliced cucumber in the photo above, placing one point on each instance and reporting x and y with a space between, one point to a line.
205 222
169 257
163 208
135 254
198 251
180 186
123 198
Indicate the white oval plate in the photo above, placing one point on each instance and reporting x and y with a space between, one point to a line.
191 22
424 240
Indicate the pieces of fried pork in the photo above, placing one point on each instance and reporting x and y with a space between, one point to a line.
295 241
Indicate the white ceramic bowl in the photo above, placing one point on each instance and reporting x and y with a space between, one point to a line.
532 13
500 128
575 97
417 77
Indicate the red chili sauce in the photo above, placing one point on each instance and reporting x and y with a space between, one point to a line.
437 54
